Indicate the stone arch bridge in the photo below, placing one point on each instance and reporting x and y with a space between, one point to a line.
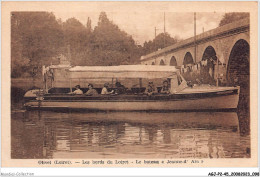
228 43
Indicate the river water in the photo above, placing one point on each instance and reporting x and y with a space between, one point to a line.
46 134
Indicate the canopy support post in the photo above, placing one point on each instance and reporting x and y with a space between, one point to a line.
46 86
51 83
140 82
70 86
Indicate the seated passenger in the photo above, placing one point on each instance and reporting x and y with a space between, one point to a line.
77 90
120 89
105 91
150 90
165 88
91 91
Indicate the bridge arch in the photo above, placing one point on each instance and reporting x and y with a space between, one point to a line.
188 59
244 37
209 52
173 61
205 48
162 62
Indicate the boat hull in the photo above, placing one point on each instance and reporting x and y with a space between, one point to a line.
179 102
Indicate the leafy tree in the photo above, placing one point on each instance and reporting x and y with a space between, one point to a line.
89 28
18 61
35 37
232 17
111 45
38 37
160 41
78 37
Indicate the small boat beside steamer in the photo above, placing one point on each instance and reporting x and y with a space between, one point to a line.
180 97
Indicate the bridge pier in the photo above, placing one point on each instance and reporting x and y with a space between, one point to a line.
238 71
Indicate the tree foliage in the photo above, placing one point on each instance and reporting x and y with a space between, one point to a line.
160 41
78 38
35 38
112 46
38 37
232 17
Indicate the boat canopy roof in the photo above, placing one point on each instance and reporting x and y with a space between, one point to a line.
123 71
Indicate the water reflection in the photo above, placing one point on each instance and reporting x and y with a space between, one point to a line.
45 134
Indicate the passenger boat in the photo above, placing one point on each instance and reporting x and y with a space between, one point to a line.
180 98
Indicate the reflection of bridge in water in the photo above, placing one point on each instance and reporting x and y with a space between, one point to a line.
128 135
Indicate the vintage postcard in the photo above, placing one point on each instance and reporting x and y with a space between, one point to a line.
129 84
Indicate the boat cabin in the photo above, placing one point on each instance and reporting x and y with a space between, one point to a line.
134 78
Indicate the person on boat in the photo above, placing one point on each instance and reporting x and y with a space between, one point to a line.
165 88
105 90
91 91
77 90
120 89
150 90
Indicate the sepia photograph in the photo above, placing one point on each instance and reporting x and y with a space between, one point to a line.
117 83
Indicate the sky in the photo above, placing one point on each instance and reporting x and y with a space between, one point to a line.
141 25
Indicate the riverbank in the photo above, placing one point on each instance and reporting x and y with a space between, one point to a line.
26 83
